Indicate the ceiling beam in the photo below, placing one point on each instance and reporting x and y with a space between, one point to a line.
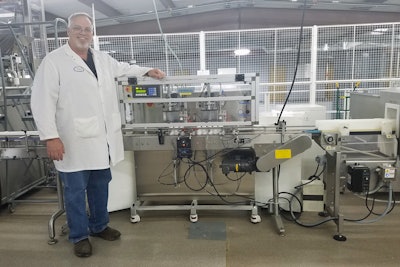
168 3
102 7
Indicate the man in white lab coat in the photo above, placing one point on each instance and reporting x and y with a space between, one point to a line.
75 107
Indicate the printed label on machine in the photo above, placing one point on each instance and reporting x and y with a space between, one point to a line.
283 153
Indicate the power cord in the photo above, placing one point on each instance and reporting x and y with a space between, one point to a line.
297 61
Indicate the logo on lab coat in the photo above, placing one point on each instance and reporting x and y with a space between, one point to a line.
78 69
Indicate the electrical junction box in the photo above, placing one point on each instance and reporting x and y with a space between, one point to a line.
313 195
388 173
359 178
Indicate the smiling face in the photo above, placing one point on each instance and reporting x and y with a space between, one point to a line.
80 33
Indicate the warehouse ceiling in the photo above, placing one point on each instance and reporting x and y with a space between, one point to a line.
116 12
111 12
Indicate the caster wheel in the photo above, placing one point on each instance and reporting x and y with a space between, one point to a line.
52 241
135 219
255 218
194 218
11 208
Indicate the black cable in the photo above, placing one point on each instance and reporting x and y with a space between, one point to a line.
313 177
297 61
237 179
209 181
392 206
366 216
283 214
185 176
162 175
290 206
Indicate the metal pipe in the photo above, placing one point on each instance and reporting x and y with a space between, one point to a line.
56 21
21 51
3 84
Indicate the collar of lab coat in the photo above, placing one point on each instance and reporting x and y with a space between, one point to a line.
78 60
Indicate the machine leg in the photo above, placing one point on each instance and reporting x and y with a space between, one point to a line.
193 213
255 218
135 218
11 207
52 232
279 225
277 216
339 222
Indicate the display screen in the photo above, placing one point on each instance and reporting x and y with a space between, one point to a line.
146 91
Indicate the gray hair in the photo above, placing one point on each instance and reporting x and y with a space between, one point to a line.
79 14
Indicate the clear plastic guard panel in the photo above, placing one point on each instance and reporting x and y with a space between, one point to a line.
189 101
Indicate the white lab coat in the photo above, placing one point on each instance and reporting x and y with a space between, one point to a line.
70 103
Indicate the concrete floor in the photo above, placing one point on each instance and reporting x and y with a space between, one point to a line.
162 239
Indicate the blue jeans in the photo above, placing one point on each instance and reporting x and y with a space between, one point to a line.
78 185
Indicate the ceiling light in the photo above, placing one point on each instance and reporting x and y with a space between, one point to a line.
242 52
381 30
7 15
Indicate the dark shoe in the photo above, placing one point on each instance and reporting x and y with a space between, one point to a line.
108 234
83 248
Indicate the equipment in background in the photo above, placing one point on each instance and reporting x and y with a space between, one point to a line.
352 148
23 166
313 195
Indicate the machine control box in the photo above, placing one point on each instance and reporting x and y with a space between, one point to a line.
359 177
184 147
143 91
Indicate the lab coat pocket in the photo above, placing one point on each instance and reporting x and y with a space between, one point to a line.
86 127
116 122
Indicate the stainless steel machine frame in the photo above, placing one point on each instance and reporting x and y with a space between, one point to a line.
356 142
176 110
24 165
151 132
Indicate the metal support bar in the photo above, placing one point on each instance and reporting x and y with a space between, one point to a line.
3 85
57 214
277 216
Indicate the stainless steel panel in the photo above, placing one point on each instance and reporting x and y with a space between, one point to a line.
366 106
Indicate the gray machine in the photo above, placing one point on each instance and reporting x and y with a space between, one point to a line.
198 144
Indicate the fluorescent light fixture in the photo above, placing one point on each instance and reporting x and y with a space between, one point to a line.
242 52
7 15
379 31
350 45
